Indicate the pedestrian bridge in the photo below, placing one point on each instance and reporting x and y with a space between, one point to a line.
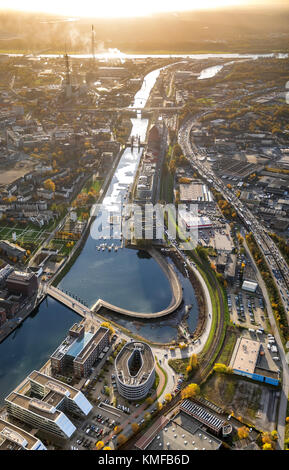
78 307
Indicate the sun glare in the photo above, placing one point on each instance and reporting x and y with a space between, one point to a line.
115 8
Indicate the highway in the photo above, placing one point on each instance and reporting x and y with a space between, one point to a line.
275 261
272 255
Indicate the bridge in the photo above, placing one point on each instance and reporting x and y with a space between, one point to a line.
84 310
66 299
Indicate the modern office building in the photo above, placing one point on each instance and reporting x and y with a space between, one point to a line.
14 438
135 370
79 350
43 402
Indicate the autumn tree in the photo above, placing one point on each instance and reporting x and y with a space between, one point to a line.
49 185
99 445
168 397
193 361
190 391
135 427
121 439
243 432
222 368
107 325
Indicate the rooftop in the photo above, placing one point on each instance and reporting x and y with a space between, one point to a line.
134 363
15 435
182 432
53 384
32 404
245 355
195 192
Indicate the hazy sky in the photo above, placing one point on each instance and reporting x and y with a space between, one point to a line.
118 8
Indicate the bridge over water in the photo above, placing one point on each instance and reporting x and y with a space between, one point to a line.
83 310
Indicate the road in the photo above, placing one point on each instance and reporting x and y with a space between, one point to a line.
272 255
285 376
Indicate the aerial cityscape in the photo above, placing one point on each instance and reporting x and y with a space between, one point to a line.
144 222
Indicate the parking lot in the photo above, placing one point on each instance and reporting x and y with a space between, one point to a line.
247 310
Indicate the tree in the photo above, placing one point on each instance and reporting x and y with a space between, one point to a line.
243 432
222 368
107 325
190 391
49 185
99 445
168 397
159 406
149 400
121 439
135 427
194 360
117 429
267 446
147 416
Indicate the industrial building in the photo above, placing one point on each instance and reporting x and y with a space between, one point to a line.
135 370
14 438
79 350
194 427
19 282
195 192
247 360
43 402
191 221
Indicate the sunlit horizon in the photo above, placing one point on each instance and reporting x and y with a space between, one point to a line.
123 8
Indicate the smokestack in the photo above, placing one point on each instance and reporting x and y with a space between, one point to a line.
92 42
67 70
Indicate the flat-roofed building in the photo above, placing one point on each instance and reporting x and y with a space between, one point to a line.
195 192
48 387
246 361
20 282
190 221
182 432
79 350
43 402
39 414
246 355
135 370
14 438
250 286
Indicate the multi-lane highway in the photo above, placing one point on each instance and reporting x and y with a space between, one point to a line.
278 267
275 261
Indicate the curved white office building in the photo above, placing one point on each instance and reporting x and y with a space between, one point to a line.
135 370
